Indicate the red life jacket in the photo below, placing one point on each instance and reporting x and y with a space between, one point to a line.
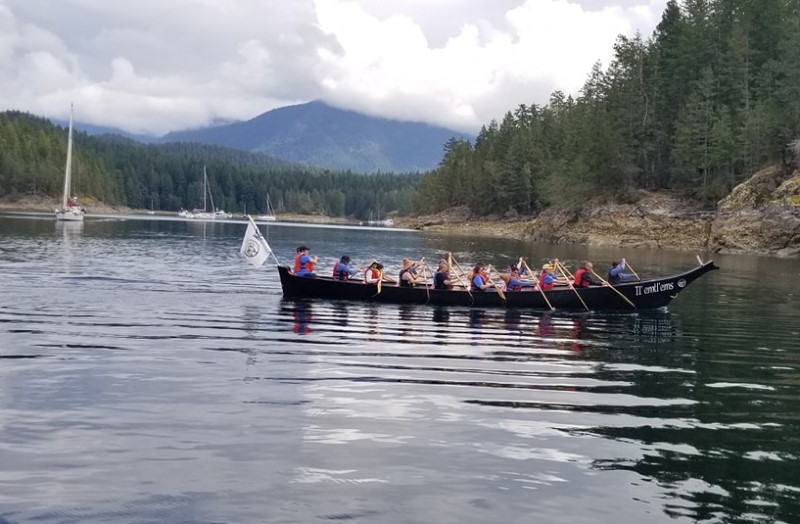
297 262
484 279
371 274
579 278
340 275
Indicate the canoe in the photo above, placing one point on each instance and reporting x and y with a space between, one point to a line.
642 294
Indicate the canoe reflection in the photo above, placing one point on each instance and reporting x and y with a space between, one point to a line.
408 324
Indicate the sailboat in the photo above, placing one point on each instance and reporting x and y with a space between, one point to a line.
269 216
376 220
69 210
204 214
152 211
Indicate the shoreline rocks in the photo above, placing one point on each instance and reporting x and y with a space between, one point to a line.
761 215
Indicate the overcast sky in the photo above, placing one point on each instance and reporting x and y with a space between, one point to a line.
153 66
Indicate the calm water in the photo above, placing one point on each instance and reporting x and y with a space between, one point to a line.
147 374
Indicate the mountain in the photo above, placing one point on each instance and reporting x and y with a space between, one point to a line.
320 135
91 129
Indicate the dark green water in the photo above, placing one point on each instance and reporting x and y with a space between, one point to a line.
147 374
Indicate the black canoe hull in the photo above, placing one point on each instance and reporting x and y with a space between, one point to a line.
644 294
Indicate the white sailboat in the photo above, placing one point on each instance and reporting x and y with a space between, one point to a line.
69 210
269 216
204 214
152 211
376 220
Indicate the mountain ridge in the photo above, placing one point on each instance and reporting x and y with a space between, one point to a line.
321 135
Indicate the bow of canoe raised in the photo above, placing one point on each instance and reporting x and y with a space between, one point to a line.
641 294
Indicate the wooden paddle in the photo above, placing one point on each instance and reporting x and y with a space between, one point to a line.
492 282
544 296
628 265
460 281
617 291
570 279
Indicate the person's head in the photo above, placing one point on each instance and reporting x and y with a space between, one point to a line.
378 266
513 269
479 268
407 263
444 267
345 259
614 264
588 266
302 249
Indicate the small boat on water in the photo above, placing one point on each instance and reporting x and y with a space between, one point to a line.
69 210
640 294
269 216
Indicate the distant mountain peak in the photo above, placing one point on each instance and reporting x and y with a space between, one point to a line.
318 134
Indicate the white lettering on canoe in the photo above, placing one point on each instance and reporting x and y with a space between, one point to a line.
654 288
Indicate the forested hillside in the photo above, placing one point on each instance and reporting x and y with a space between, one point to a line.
119 171
712 96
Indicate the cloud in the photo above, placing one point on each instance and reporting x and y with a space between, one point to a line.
154 66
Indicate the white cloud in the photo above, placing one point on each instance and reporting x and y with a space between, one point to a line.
154 66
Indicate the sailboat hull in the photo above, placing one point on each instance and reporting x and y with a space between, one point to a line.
69 215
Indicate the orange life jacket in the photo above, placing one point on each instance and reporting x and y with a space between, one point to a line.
299 266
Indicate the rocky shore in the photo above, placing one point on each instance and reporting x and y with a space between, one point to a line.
761 215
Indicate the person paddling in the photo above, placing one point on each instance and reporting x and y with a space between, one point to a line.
408 274
303 263
615 273
342 269
513 280
442 278
584 278
479 278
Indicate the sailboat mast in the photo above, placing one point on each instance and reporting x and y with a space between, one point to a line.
205 187
68 168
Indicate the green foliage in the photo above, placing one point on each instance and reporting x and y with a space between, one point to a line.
119 171
705 102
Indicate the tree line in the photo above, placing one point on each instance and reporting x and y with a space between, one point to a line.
119 171
708 99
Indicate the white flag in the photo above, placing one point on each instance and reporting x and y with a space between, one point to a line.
254 247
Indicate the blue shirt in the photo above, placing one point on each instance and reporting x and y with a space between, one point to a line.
514 283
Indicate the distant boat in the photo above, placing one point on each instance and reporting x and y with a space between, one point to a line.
376 220
204 214
152 211
69 210
269 216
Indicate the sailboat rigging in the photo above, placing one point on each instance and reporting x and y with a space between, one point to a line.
214 213
269 216
69 210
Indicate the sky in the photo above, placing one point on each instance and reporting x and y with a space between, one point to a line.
154 66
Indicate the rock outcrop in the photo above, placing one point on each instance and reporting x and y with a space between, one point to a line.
760 215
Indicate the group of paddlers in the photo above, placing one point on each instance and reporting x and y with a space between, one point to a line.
450 275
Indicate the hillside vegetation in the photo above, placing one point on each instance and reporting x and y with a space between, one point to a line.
119 171
697 108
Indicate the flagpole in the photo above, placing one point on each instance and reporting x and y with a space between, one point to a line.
263 240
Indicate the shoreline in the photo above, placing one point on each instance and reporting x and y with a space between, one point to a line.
746 222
